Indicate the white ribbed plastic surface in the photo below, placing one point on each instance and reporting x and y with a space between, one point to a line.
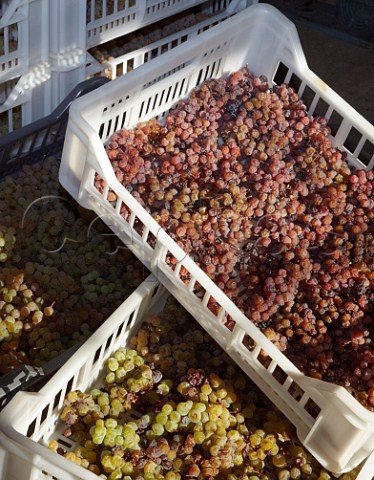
44 43
32 417
342 435
122 64
110 19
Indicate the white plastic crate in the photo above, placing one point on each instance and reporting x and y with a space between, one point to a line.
13 63
43 46
28 423
342 434
44 50
116 67
109 19
31 420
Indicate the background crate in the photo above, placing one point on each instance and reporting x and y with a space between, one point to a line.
215 10
44 43
49 44
13 64
45 137
342 434
31 420
108 19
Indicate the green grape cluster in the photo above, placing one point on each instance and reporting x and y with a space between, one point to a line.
204 423
110 433
126 378
127 368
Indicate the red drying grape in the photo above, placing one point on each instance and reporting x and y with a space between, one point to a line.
253 190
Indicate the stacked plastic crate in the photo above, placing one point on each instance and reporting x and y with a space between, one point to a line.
44 46
42 40
122 55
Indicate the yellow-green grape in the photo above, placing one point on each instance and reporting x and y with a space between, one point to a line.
284 475
183 408
14 318
199 437
163 388
194 416
279 461
7 244
266 444
162 418
158 429
171 426
98 433
307 469
234 433
174 416
295 473
324 476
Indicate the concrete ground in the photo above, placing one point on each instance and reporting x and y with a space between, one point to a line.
344 62
345 67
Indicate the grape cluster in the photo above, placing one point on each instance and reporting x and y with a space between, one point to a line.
19 310
252 189
66 258
211 423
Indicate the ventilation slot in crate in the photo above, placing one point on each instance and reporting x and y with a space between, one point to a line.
295 82
335 121
280 74
308 97
48 476
366 154
151 240
31 429
97 355
352 140
320 110
360 147
209 71
165 75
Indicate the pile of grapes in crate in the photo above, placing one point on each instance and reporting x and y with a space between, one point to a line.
250 186
173 405
145 36
61 271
